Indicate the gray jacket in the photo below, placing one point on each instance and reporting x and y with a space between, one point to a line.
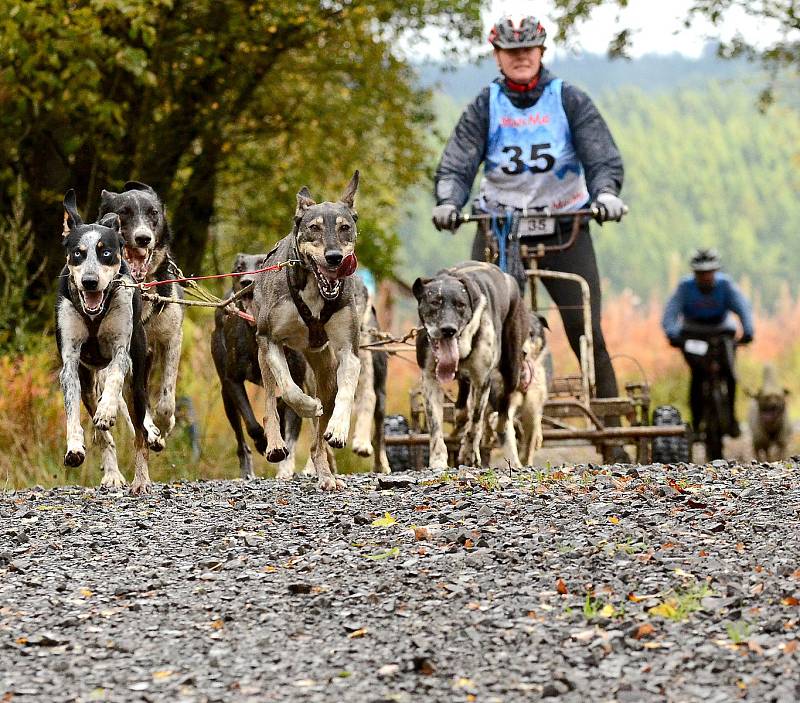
466 148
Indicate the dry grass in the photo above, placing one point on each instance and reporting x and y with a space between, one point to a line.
32 416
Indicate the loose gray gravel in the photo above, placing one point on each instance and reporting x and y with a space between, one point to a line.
616 583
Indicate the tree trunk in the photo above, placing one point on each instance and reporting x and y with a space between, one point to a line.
191 217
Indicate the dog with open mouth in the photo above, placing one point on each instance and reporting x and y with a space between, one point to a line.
147 237
473 323
99 328
311 308
235 353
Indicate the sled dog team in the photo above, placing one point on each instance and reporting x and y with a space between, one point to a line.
299 337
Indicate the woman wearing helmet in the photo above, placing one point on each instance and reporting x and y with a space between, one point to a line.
701 306
543 143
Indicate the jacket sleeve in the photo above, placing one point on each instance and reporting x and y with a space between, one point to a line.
739 304
671 321
463 154
594 145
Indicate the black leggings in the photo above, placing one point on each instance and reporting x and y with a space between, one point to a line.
579 259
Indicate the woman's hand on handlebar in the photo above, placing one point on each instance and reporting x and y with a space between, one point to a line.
610 207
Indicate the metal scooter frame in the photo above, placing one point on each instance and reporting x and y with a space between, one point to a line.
571 398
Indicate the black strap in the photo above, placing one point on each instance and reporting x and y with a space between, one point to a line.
317 336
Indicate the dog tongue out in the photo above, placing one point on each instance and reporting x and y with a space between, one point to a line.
446 359
93 299
347 267
137 260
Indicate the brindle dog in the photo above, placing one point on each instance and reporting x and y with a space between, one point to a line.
311 308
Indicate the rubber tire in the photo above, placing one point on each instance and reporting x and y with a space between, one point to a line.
669 450
403 457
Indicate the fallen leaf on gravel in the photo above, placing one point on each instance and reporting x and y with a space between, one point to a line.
162 674
790 600
386 521
644 630
613 519
86 593
217 624
664 610
755 647
421 534
464 682
424 666
790 647
607 611
393 552
561 587
360 632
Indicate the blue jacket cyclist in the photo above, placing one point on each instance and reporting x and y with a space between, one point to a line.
701 306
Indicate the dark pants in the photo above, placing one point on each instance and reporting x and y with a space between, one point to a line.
579 259
698 370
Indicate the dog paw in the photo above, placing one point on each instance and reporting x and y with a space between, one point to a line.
330 483
260 441
74 456
285 473
361 447
113 480
337 430
304 405
104 418
140 487
276 454
155 440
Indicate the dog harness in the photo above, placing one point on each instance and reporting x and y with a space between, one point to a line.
530 159
317 336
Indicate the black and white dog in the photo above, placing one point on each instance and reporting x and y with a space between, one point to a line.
474 323
98 326
147 238
312 308
235 353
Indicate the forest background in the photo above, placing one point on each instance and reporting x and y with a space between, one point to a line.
704 166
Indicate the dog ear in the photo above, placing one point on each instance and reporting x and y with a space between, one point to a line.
418 289
111 220
349 195
304 201
543 320
136 185
71 217
473 292
107 200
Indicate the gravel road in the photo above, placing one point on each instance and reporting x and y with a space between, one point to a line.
614 583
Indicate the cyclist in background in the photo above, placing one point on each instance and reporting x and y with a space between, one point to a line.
700 305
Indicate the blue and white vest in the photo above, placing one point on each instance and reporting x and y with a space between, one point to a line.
530 160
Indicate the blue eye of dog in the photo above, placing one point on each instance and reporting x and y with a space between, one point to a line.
106 254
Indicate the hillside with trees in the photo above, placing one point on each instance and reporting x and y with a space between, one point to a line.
704 166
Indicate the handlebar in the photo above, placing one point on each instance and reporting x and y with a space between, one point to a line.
463 218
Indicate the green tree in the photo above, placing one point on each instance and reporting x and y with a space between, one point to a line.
191 96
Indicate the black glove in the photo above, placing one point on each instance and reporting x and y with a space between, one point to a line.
745 339
444 216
